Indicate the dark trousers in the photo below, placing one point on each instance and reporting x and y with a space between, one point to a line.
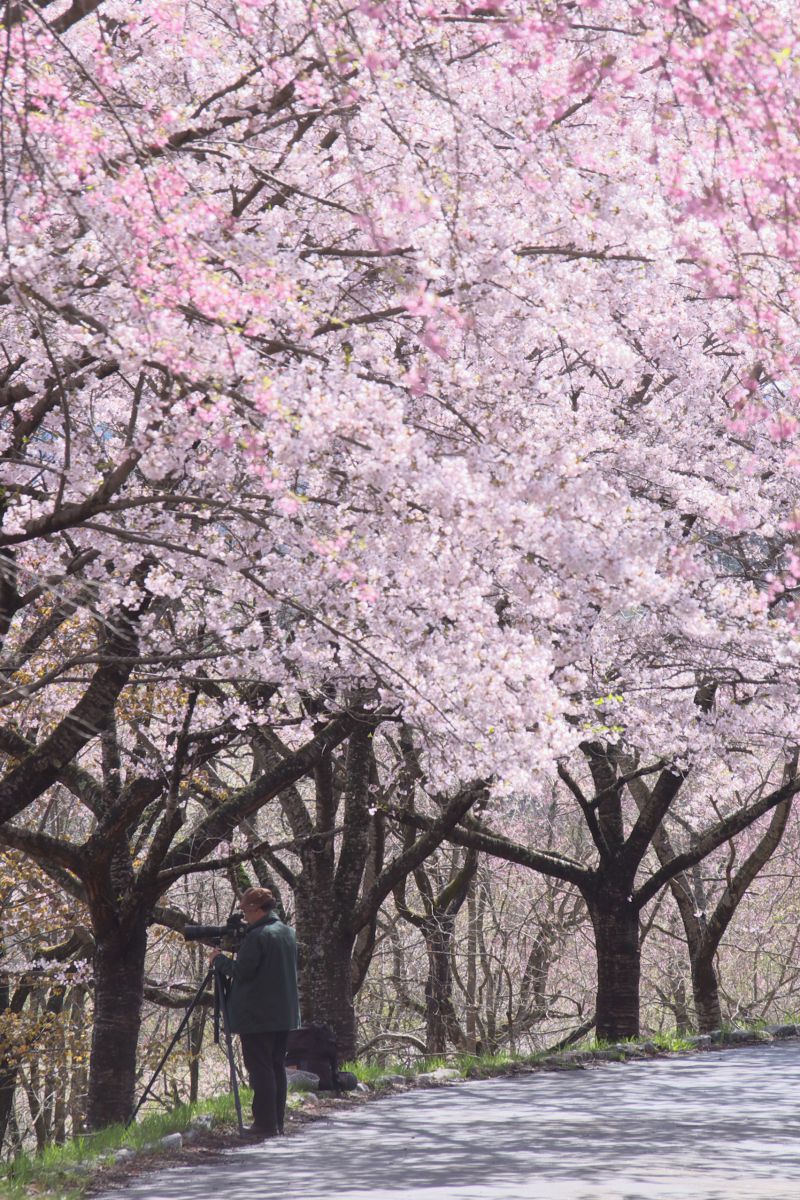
265 1059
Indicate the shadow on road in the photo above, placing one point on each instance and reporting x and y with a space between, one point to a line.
714 1127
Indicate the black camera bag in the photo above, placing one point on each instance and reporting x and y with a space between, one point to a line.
313 1048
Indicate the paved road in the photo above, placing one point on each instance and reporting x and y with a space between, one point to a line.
720 1126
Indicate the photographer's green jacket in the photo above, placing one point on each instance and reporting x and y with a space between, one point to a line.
263 997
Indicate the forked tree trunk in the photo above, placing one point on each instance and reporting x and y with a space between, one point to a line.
704 932
118 993
616 931
338 898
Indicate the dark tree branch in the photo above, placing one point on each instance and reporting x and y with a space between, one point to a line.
475 836
651 814
434 833
219 825
44 765
723 831
587 809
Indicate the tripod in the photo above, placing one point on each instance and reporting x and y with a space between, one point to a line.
221 988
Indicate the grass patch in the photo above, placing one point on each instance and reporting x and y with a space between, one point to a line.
672 1041
371 1072
424 1065
487 1063
669 1042
64 1172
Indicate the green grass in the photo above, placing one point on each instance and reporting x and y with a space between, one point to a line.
493 1062
672 1041
432 1063
482 1062
371 1072
64 1172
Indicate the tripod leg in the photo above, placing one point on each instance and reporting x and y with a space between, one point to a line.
222 1001
184 1022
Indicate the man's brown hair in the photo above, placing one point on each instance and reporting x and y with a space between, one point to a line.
258 897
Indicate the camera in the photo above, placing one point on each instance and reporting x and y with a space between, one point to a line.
230 934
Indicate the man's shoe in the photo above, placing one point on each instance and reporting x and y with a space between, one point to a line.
256 1132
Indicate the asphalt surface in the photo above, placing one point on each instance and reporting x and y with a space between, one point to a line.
717 1126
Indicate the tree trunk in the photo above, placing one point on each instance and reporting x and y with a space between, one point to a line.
54 1096
616 931
706 990
326 975
438 986
118 994
680 1008
9 1067
471 993
8 1086
197 1027
76 1102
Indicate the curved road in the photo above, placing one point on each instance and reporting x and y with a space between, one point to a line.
717 1126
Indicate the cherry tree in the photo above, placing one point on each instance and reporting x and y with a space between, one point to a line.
441 354
705 916
132 829
408 371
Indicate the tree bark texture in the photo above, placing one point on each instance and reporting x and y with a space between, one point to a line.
616 929
326 978
9 1068
118 993
439 984
705 988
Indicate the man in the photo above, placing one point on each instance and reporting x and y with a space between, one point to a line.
263 1005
